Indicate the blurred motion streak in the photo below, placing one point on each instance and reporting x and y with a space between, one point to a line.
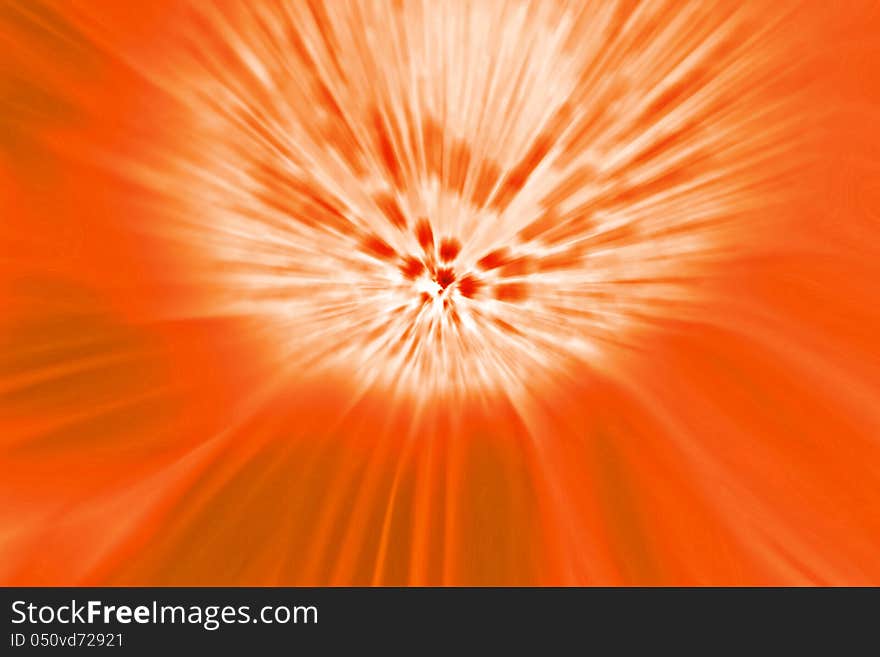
448 293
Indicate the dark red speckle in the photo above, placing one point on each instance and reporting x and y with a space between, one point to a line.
445 277
412 267
424 234
493 260
449 249
378 247
468 286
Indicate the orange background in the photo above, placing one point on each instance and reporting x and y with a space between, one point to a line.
145 439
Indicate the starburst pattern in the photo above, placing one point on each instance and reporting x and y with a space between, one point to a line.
448 212
439 292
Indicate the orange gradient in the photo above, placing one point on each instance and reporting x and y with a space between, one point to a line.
439 293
